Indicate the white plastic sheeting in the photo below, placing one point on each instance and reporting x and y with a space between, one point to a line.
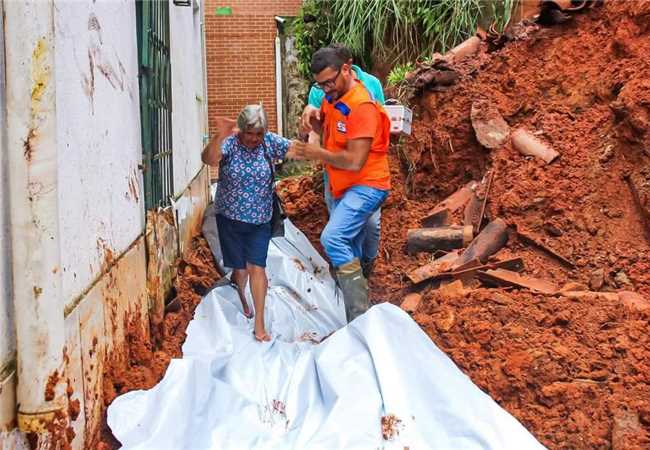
230 392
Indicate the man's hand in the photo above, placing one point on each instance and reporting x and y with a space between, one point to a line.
310 119
291 152
306 151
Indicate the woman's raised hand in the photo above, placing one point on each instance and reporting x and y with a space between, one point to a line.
225 126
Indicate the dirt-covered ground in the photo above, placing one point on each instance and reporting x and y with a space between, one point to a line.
574 371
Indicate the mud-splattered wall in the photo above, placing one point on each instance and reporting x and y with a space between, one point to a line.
85 56
98 136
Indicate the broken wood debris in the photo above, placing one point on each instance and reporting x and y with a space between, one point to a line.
452 289
439 238
513 264
452 203
477 224
507 278
528 239
434 268
436 75
529 145
493 237
472 211
438 218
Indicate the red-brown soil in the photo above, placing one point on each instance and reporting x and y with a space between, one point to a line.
142 362
575 372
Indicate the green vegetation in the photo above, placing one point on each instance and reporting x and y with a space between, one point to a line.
398 74
393 31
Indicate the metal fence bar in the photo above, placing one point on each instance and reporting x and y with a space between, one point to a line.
155 100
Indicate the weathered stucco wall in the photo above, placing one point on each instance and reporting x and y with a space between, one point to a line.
7 332
98 189
188 98
98 137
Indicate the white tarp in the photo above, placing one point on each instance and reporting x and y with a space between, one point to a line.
230 392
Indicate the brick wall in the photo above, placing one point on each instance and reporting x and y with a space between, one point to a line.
241 55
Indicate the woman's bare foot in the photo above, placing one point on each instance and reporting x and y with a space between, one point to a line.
247 311
261 335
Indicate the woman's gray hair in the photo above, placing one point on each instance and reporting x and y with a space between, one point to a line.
252 117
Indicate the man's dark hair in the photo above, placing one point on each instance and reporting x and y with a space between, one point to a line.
343 51
326 57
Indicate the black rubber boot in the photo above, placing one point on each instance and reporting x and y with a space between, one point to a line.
355 289
367 267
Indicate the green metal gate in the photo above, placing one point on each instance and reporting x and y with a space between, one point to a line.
155 100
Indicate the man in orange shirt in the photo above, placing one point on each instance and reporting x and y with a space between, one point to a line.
356 135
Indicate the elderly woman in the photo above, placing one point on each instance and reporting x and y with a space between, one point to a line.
244 201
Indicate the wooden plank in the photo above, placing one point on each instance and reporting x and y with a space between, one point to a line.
532 241
468 265
472 211
477 224
434 268
502 277
438 218
513 264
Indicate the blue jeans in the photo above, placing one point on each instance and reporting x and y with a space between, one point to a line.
370 245
345 232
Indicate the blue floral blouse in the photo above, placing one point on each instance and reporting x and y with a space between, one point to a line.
244 191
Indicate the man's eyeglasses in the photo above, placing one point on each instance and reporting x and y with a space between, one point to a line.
328 83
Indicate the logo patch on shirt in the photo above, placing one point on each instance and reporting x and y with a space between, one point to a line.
340 126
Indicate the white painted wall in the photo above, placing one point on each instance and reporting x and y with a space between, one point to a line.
7 331
188 95
98 127
98 135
